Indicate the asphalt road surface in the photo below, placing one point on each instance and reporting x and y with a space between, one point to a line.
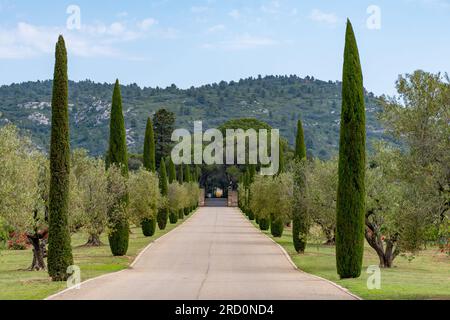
216 255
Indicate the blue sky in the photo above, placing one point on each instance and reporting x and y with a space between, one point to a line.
160 42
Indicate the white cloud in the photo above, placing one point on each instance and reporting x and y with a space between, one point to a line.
432 3
147 24
122 14
323 17
242 42
235 14
95 40
216 28
272 7
199 9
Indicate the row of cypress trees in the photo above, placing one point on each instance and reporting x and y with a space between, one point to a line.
351 188
59 248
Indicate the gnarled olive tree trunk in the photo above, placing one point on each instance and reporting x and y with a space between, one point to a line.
39 241
386 249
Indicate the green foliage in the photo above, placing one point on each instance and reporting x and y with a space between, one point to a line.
320 197
117 152
277 227
300 219
89 191
149 147
272 201
163 185
118 156
300 146
264 224
163 213
352 165
20 175
276 100
164 125
145 199
172 171
118 215
59 247
281 160
180 174
187 174
148 227
173 217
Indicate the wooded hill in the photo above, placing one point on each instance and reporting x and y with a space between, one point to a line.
278 100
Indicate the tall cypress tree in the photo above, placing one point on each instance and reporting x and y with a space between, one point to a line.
149 147
352 165
246 187
180 181
172 172
251 179
59 246
300 146
300 223
281 161
118 156
187 178
180 174
149 224
173 216
187 174
163 213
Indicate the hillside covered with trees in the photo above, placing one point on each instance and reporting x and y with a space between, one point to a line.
278 100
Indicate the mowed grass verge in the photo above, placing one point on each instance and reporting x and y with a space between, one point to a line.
18 284
425 277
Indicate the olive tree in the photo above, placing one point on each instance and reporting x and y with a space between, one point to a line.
177 197
89 196
272 201
145 199
320 197
24 184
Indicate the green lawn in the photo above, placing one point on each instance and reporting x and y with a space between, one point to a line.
18 284
425 277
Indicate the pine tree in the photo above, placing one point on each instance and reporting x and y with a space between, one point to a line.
352 165
163 213
149 148
59 246
300 223
118 156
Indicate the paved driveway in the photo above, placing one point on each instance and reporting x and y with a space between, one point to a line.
215 255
